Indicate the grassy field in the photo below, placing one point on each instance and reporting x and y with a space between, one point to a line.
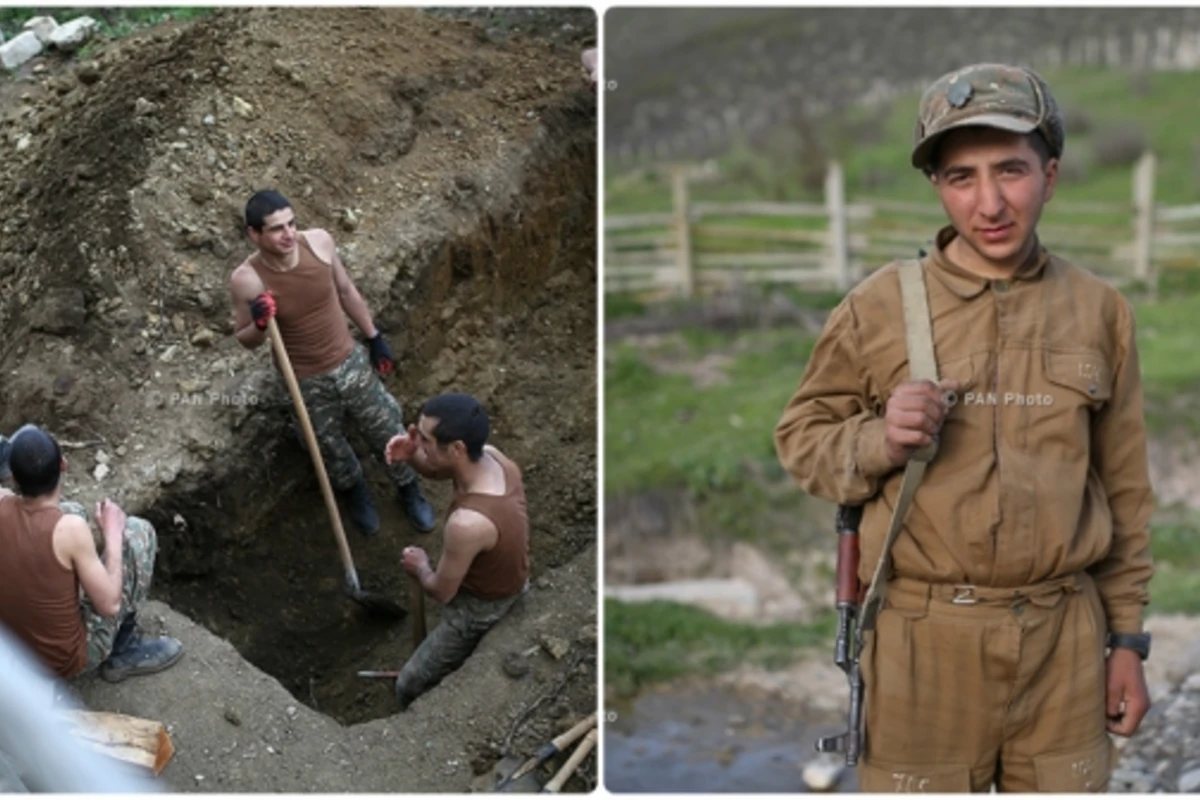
663 432
649 643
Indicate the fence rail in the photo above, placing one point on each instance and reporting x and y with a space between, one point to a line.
701 246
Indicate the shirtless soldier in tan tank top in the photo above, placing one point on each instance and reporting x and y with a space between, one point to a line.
484 566
297 277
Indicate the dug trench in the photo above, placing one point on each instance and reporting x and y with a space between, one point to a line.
475 250
506 313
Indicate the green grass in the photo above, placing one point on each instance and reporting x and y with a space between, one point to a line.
654 642
663 431
660 430
1175 547
1170 362
115 22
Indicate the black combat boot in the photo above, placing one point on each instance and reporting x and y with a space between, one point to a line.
419 512
133 655
362 508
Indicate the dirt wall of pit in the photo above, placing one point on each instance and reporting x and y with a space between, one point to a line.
456 170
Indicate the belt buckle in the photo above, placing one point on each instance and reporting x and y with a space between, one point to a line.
964 595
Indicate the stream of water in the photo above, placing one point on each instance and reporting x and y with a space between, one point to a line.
710 738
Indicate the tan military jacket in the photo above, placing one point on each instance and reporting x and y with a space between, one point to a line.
1041 470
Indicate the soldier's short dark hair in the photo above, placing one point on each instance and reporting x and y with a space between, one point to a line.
460 418
35 460
262 205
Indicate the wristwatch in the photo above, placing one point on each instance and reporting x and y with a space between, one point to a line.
1137 642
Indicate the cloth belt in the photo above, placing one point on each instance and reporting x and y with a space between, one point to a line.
966 594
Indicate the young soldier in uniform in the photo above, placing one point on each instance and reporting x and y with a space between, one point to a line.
297 277
1010 643
47 555
484 566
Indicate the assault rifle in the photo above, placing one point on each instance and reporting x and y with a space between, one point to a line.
849 643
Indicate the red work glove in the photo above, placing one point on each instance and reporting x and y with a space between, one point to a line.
262 309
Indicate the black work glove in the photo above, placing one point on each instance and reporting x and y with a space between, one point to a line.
381 355
262 309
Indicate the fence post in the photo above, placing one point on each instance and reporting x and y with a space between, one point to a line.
1143 209
835 204
683 230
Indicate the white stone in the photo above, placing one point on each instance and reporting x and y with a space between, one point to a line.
1189 782
242 108
821 776
24 142
42 27
16 52
101 472
72 35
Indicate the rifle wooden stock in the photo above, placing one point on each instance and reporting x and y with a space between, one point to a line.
847 646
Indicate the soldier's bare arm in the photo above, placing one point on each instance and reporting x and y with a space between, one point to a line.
467 534
351 300
244 286
101 580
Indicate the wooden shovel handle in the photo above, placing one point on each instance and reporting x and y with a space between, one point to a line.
556 783
314 449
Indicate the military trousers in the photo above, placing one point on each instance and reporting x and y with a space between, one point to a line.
352 390
968 689
465 620
139 548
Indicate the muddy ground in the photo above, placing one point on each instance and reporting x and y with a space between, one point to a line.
454 161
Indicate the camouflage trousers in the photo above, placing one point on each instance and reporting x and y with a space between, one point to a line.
352 389
465 619
139 547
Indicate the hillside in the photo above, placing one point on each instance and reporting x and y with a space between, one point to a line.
692 82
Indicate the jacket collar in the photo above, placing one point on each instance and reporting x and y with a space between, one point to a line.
967 284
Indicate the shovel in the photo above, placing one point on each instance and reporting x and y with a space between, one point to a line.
371 602
552 748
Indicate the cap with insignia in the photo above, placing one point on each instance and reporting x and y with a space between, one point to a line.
1000 96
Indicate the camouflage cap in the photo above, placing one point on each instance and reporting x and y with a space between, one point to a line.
1000 96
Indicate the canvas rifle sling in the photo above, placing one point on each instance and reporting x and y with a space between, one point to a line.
922 365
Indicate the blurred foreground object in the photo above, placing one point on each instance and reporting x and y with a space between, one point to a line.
36 736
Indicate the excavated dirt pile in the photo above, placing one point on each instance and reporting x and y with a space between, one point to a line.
454 162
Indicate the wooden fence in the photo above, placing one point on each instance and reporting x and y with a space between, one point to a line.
701 246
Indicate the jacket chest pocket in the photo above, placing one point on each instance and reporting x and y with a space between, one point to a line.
1077 378
1078 384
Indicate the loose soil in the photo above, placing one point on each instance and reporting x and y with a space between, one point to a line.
454 162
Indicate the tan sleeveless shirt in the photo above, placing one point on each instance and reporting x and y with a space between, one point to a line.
502 571
309 313
39 597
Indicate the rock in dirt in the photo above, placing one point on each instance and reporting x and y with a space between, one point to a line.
204 338
516 665
16 52
556 646
42 27
71 36
59 312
